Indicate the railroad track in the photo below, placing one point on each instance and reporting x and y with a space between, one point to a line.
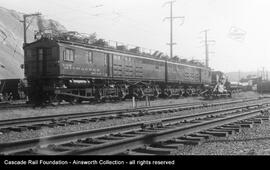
23 104
51 121
10 105
160 136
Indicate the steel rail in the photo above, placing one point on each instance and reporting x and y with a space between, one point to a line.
117 147
29 120
18 145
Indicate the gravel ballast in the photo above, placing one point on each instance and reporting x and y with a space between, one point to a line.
14 136
250 141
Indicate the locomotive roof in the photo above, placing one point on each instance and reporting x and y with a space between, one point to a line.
113 50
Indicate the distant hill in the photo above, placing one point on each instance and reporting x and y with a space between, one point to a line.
11 41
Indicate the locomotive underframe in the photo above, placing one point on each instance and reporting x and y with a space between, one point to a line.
77 90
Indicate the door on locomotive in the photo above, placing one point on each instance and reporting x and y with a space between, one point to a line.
43 57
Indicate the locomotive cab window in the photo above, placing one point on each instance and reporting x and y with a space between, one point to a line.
90 57
69 55
40 54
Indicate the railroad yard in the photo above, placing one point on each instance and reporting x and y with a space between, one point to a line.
187 126
106 85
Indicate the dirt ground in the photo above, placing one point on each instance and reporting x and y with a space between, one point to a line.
29 112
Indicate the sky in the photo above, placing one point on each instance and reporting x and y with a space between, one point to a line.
240 28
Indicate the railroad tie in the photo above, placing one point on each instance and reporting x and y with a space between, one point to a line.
230 131
145 131
195 138
167 144
245 125
103 118
85 121
35 127
263 117
205 136
58 148
43 152
195 121
111 137
60 122
235 129
257 121
5 130
129 152
126 135
152 150
215 133
125 115
79 144
74 122
185 142
92 141
192 138
209 118
95 119
19 128
248 121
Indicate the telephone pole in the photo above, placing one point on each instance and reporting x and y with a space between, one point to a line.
25 26
171 18
263 74
206 44
239 77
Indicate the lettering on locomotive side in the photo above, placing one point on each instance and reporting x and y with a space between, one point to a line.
91 70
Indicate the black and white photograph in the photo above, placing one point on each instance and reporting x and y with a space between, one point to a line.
133 78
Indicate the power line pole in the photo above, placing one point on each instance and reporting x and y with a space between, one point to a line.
266 75
206 44
262 80
25 26
206 49
171 18
263 74
239 77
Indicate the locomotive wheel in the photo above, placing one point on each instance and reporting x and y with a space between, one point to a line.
78 100
54 100
72 101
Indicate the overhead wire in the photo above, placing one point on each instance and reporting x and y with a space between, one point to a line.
118 15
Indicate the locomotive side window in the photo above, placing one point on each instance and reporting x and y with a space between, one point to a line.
29 53
40 54
68 55
105 60
90 57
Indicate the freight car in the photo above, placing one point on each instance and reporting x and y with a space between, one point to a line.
67 68
263 86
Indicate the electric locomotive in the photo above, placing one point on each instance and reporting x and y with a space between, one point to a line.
75 69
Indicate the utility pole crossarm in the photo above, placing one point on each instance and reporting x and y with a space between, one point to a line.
25 27
206 43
